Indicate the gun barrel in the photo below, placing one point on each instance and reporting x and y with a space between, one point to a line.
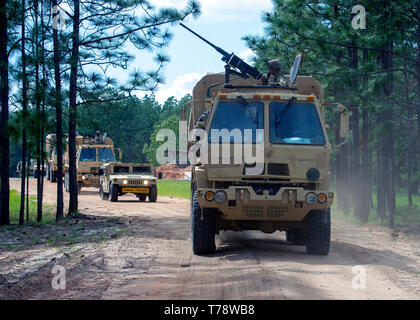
220 50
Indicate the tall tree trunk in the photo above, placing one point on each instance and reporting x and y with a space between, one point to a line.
59 116
44 86
24 110
4 118
74 61
365 176
380 169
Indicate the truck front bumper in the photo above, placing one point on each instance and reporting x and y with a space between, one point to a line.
243 203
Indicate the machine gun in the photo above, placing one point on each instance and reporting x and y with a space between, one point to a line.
233 62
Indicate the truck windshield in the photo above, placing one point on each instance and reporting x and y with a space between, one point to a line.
121 169
233 115
299 125
142 170
88 155
105 155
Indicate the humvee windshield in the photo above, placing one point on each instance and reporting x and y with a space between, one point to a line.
121 170
105 155
142 170
88 155
299 125
233 115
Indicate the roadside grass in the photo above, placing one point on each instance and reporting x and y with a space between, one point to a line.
174 188
404 217
48 214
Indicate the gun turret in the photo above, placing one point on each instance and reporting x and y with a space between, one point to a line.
232 61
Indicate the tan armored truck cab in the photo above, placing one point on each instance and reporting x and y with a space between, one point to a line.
117 179
291 191
91 154
51 160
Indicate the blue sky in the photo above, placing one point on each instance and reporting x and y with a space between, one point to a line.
223 22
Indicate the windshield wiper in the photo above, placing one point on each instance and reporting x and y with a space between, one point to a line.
248 109
283 113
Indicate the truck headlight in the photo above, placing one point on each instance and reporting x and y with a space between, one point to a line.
146 182
125 181
220 196
83 178
311 198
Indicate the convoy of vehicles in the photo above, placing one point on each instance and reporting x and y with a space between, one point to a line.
117 179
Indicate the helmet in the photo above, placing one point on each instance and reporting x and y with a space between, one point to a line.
274 64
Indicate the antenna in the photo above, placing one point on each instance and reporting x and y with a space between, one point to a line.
295 68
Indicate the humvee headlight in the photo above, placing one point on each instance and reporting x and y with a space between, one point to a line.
146 182
83 178
322 197
220 196
125 181
311 198
209 195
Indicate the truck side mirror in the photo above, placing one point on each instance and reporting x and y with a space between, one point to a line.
101 171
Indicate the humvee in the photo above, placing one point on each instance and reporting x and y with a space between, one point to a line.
290 190
117 179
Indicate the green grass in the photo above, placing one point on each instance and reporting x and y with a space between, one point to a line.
405 216
47 216
174 188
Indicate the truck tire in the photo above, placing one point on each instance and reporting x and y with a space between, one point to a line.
153 194
142 197
102 194
113 192
53 175
66 182
318 238
296 237
202 230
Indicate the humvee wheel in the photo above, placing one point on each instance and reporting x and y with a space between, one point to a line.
318 238
296 237
103 195
53 175
113 192
153 194
79 187
142 197
202 230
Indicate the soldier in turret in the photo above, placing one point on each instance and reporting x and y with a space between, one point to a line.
274 76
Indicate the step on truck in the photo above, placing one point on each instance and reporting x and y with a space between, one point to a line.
287 188
118 179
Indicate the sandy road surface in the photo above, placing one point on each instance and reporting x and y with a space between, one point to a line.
151 258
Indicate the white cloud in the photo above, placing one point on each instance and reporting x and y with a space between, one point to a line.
223 10
179 87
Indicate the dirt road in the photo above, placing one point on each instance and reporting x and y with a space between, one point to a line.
149 257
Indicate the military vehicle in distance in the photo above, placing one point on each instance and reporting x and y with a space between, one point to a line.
117 179
51 160
91 154
291 192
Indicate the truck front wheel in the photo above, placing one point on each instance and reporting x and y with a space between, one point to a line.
113 192
153 194
203 228
318 237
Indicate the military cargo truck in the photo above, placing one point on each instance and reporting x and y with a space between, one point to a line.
51 160
290 190
91 154
117 179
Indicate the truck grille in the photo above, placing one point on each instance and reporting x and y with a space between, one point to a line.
276 211
278 169
135 182
254 211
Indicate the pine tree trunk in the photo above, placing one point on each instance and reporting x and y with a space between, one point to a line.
44 86
74 60
4 119
59 116
24 110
